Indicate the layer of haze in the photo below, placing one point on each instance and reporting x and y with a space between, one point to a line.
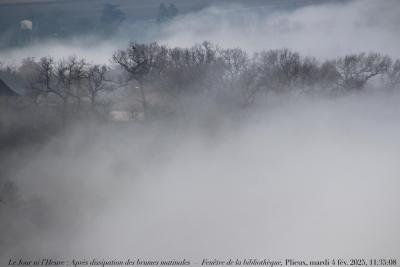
305 178
323 31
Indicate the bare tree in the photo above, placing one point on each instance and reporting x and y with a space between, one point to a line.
240 76
45 83
79 74
278 70
96 81
138 60
249 86
60 80
393 75
355 70
235 61
329 76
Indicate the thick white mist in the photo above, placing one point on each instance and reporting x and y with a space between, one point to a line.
93 50
305 179
324 31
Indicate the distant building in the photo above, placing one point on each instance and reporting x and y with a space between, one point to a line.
26 25
119 115
123 115
5 90
25 34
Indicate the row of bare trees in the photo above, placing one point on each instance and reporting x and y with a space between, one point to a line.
233 74
70 83
159 74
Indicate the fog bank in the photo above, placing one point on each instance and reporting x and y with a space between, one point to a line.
305 178
324 31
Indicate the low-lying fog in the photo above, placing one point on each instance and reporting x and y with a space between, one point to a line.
307 178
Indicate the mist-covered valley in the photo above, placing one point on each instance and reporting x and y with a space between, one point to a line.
258 130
